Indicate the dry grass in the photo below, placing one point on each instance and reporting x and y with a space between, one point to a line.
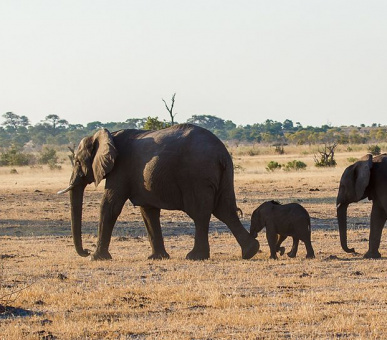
59 295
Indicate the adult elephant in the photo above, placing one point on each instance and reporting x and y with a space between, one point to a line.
183 167
365 178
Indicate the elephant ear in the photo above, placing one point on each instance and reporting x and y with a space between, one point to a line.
105 154
363 173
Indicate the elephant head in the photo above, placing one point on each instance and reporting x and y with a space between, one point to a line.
353 188
93 160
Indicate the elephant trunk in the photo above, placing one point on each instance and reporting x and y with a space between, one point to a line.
342 219
76 200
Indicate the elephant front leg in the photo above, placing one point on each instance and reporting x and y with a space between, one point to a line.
272 239
151 217
111 207
378 219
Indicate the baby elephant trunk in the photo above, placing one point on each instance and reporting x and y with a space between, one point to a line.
254 226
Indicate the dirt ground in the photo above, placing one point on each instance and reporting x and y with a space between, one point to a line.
49 292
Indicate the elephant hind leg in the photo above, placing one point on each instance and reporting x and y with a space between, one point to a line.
201 249
293 252
309 248
280 249
151 217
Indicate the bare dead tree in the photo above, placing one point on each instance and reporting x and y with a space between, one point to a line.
170 110
326 155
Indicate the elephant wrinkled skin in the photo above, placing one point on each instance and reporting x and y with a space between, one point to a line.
183 167
366 178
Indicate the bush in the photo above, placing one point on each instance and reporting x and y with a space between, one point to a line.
253 152
48 156
295 165
14 156
352 159
374 149
272 165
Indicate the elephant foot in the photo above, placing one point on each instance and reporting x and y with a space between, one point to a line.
196 255
372 255
291 254
310 256
159 256
281 250
250 250
100 256
273 257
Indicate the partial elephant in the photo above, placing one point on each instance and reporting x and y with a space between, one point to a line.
184 167
367 178
282 221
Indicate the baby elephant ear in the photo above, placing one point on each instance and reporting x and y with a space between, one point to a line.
105 154
363 173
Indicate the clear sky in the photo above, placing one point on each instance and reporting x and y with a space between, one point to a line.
312 61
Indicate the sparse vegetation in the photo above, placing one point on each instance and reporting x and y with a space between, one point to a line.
15 156
336 295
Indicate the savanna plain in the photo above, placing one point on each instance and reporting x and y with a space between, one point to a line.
48 292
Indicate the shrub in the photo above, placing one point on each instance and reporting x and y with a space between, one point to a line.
238 168
374 149
272 165
253 152
352 159
279 149
48 156
14 156
295 165
327 155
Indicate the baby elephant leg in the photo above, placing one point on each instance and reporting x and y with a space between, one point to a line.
280 249
271 237
293 252
309 249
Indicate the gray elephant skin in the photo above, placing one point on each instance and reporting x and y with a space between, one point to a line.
366 178
183 167
282 221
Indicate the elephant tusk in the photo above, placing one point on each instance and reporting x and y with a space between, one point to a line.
338 206
65 190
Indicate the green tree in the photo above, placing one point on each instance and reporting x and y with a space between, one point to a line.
15 122
154 124
15 129
135 123
208 122
54 124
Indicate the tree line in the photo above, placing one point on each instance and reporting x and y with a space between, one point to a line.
16 131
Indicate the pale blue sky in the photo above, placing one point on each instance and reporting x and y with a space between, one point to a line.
314 62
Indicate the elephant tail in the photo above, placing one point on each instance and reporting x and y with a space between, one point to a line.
225 195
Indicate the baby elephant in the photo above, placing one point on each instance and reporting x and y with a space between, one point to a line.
282 221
